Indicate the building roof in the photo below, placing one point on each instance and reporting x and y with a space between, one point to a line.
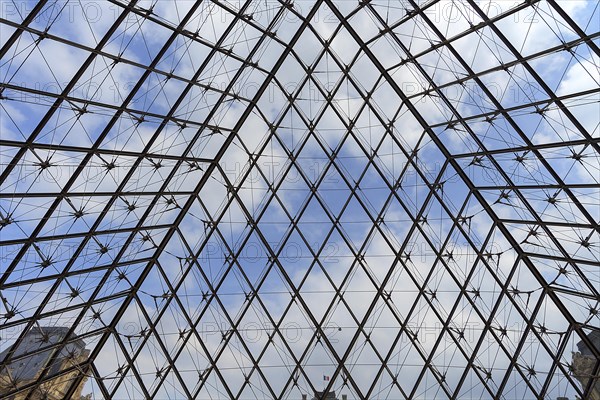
323 395
37 347
594 337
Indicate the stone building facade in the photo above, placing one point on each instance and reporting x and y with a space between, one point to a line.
33 355
584 363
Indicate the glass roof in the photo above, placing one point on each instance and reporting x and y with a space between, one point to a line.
269 199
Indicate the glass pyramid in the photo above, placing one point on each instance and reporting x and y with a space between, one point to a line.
277 199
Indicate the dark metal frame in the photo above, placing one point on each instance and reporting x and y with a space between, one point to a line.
130 252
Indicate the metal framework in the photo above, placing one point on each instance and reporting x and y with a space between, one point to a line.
265 199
